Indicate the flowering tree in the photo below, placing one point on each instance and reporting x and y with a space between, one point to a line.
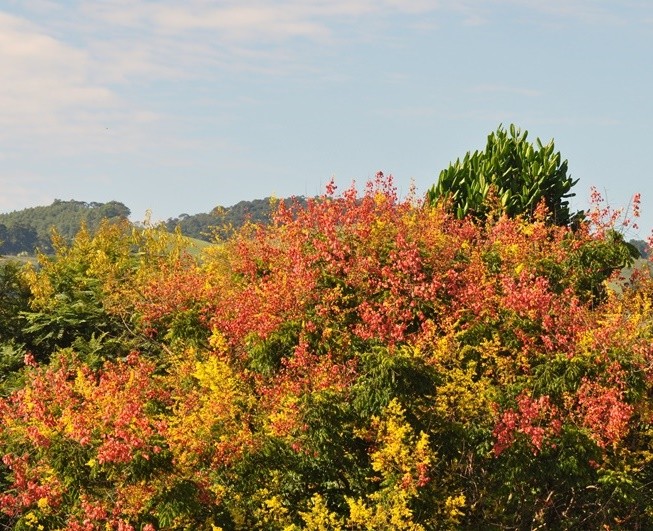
362 363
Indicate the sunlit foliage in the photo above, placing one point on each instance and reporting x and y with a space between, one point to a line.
511 172
362 363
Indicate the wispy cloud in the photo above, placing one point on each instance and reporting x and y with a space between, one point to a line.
75 72
235 21
54 98
42 75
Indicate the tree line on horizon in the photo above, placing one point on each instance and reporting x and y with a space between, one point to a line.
25 231
28 230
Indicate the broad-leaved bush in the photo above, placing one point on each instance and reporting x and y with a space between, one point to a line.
364 362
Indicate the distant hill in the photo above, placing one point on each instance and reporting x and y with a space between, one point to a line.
222 221
24 231
641 246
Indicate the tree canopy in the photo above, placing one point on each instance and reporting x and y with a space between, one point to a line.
31 228
511 175
222 222
361 363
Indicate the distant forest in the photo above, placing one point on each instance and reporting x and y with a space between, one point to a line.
222 221
26 231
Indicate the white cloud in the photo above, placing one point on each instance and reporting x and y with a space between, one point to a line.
75 68
127 41
47 89
72 68
42 75
242 23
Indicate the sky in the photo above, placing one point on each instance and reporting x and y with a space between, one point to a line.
180 106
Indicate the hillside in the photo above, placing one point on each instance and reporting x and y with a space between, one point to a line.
223 221
24 231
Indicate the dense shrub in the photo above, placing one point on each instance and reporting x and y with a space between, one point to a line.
362 363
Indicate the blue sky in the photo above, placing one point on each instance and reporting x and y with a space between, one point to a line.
179 106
